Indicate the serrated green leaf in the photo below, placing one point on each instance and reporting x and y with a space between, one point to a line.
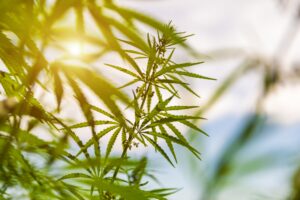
101 87
107 114
158 93
135 52
180 107
170 81
74 137
173 67
96 122
149 98
159 149
111 142
75 175
184 85
191 125
129 43
171 118
86 109
175 140
169 89
126 71
193 75
129 83
98 136
127 192
58 88
170 145
177 132
159 107
132 35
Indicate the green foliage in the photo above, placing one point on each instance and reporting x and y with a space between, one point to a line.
37 168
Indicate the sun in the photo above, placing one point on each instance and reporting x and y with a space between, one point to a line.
74 48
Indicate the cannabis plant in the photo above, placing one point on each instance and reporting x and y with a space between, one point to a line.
36 65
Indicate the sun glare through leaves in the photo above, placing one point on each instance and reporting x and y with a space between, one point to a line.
74 48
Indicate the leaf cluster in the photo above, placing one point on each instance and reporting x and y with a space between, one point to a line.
50 168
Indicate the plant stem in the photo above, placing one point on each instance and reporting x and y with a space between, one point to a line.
131 137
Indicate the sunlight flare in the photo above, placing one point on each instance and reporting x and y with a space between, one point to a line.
75 48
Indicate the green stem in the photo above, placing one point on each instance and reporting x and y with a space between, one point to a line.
131 137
